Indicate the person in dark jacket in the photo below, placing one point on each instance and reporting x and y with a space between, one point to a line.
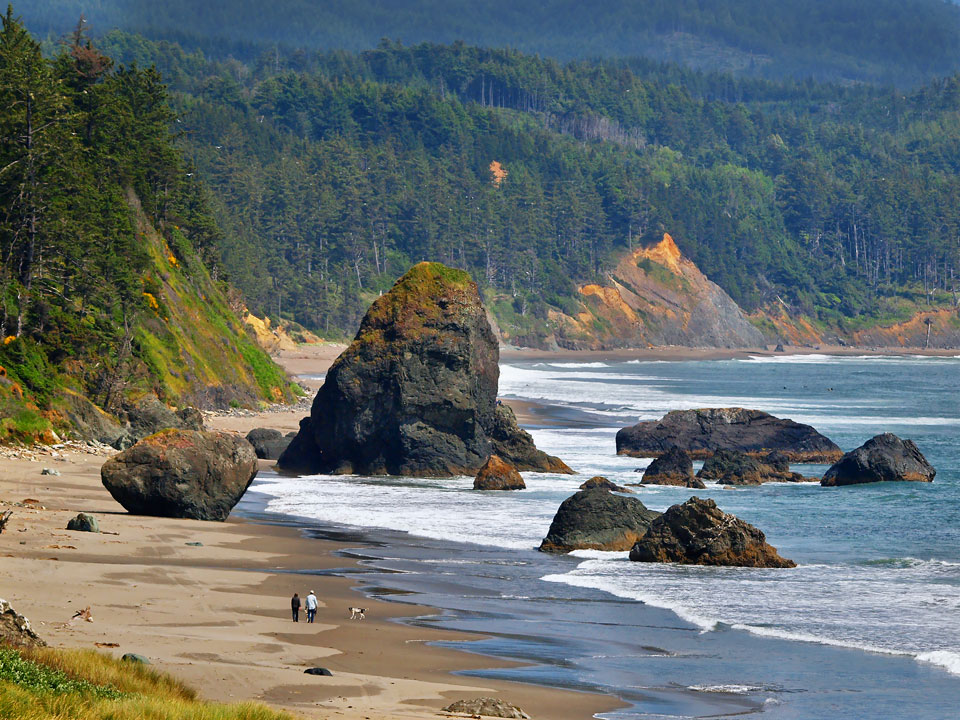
295 607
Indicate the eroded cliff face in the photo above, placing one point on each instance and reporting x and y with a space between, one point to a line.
656 296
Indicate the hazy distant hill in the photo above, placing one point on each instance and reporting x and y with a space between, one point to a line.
901 41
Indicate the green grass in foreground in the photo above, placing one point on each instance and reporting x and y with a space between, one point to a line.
47 684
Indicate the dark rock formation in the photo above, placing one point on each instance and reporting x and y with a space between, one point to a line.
182 473
318 671
601 482
488 707
84 523
779 348
269 444
15 629
702 432
596 519
415 393
730 467
699 533
135 658
496 474
884 458
148 415
674 467
90 422
778 461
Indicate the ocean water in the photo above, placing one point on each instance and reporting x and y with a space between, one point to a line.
868 621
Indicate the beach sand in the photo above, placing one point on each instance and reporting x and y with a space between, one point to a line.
217 615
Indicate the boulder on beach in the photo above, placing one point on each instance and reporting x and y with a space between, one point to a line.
674 467
602 482
15 630
497 474
269 444
486 707
596 519
884 458
84 522
182 473
697 532
415 393
703 432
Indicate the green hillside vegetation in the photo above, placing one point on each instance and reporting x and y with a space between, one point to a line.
898 41
45 683
103 231
332 174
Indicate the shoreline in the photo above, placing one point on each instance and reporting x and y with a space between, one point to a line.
217 615
677 353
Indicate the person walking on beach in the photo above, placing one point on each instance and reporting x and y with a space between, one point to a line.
295 607
311 606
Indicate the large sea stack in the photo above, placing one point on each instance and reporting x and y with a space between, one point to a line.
415 393
703 432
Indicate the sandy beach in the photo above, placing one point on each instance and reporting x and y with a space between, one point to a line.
217 615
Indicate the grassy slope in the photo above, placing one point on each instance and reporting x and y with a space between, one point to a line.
50 683
197 349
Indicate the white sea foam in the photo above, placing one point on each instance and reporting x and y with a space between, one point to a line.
944 658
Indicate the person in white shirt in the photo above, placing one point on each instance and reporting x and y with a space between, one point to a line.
311 604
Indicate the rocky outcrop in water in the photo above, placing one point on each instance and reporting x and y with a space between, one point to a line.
674 467
596 519
415 392
884 458
182 473
729 467
269 444
15 630
498 475
699 533
599 481
703 432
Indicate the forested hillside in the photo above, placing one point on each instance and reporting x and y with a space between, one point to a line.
898 41
102 288
332 173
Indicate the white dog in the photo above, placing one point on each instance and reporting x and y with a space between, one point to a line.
357 613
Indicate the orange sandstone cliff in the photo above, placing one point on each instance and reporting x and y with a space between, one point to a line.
655 296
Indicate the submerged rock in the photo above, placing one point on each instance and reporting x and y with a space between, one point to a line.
15 629
674 467
415 392
182 473
884 458
596 519
486 706
498 475
602 482
699 533
703 432
269 444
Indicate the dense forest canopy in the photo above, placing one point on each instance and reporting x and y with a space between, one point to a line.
100 219
897 41
331 173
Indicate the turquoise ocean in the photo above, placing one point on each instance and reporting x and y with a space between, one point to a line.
867 625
